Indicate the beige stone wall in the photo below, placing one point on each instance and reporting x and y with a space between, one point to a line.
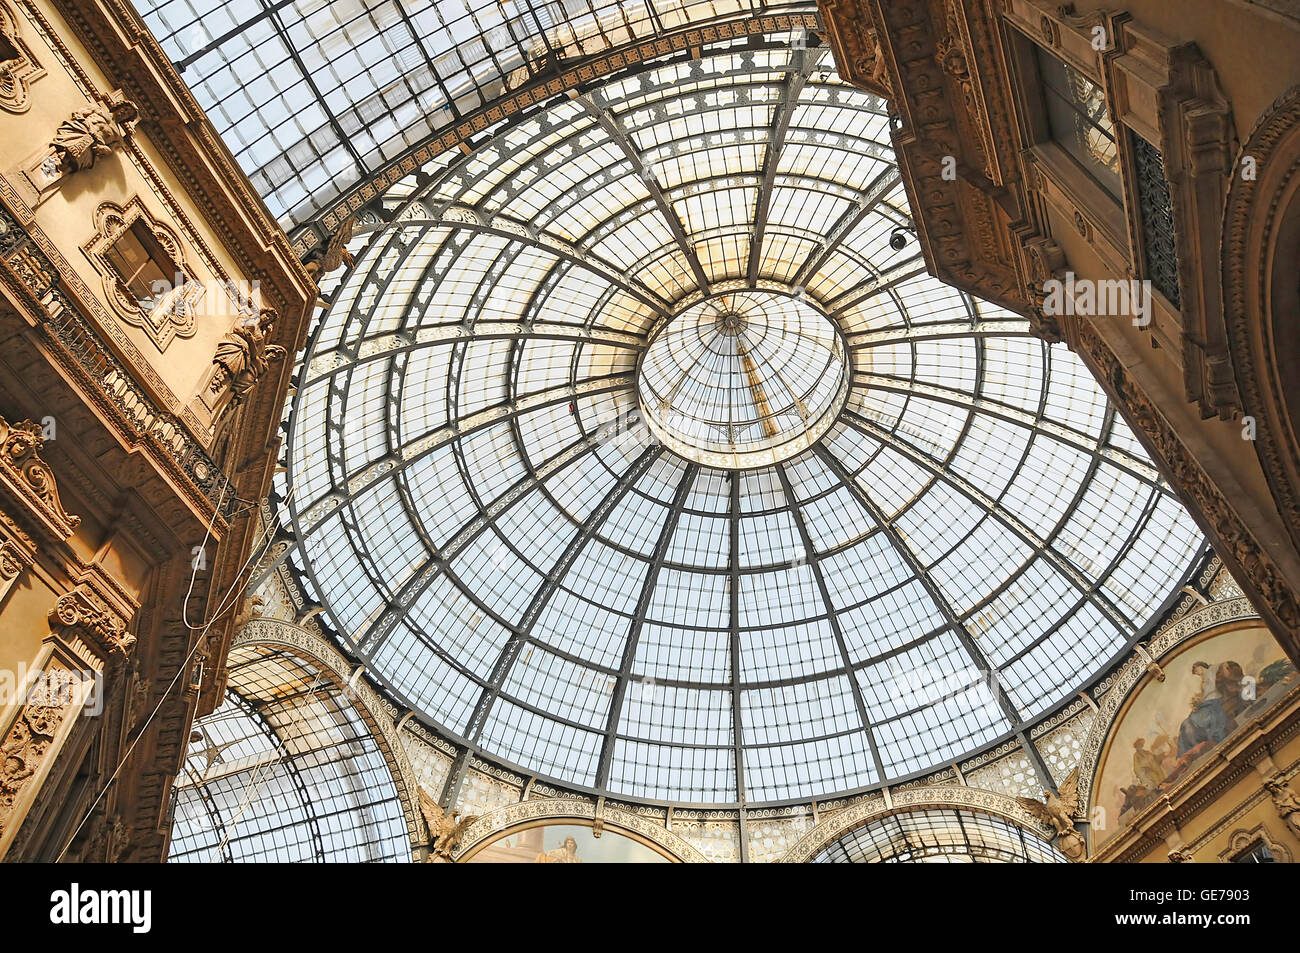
138 172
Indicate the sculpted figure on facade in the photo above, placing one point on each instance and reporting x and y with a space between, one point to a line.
91 133
243 357
1058 810
1286 802
335 254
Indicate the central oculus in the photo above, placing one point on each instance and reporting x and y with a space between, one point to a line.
743 379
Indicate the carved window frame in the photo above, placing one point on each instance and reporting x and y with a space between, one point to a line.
1060 180
16 74
1167 93
174 315
1242 839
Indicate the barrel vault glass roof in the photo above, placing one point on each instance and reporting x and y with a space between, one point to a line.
937 836
314 96
494 534
285 770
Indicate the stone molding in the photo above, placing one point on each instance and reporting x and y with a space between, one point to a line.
495 823
870 809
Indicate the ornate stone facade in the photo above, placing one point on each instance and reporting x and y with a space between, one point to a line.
134 591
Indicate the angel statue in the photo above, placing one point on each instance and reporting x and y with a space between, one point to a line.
242 357
1058 810
91 133
445 827
335 254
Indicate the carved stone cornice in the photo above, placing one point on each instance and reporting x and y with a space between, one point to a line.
954 137
859 58
27 481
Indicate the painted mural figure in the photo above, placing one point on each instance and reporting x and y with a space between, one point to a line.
1208 722
1173 724
568 854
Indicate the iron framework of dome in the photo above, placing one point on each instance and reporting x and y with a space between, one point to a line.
285 770
495 533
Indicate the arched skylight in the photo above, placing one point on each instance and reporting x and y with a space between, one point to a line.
939 836
285 770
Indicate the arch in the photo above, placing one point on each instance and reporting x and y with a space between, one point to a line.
870 810
1261 260
294 720
1211 621
379 713
513 817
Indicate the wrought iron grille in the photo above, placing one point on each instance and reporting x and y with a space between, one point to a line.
1157 211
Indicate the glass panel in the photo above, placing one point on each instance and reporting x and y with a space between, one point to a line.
1076 113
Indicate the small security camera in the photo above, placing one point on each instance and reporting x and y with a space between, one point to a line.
898 239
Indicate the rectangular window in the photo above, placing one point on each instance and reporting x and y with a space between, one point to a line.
144 269
1079 123
1256 853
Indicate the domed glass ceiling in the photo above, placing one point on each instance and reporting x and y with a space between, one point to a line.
743 379
970 536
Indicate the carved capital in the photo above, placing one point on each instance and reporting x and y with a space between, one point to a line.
13 560
83 613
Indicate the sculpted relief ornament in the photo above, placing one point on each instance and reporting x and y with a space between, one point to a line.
446 828
20 445
88 135
23 751
1059 810
243 357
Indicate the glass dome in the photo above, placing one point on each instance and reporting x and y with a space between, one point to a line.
743 379
632 456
